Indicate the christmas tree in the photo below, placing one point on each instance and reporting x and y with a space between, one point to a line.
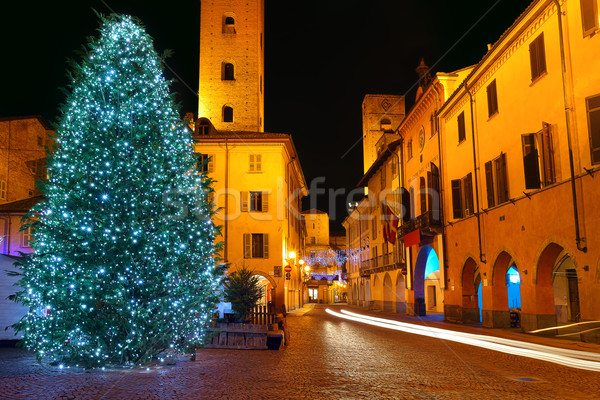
124 262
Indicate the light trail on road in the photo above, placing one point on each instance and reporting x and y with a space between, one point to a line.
570 358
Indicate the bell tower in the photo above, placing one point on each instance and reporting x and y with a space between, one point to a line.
231 90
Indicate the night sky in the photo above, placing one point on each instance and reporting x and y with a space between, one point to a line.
322 57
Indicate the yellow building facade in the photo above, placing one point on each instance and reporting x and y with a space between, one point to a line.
257 177
521 137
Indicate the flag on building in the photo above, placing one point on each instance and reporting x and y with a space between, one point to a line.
390 225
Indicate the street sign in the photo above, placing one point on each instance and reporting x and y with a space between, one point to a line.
277 271
403 271
288 268
287 276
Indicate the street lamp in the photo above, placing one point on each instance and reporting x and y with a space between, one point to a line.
291 255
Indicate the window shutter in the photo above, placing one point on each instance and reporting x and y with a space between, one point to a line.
244 201
541 53
501 180
265 202
593 106
589 16
531 164
247 245
492 97
251 162
548 155
406 205
265 245
468 193
461 127
533 60
489 181
211 163
258 162
423 196
456 199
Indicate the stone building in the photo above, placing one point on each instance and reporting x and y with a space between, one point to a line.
22 163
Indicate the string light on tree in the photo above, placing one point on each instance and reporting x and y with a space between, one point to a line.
124 260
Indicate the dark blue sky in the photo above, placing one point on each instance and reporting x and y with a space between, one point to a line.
322 57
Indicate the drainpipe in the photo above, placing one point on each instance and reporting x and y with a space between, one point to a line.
226 246
567 106
441 200
481 255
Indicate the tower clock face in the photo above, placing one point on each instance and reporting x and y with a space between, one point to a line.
422 139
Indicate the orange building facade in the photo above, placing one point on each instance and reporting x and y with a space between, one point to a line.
519 174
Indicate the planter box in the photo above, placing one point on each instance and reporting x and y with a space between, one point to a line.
238 336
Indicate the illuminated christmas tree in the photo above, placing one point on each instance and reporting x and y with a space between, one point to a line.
124 264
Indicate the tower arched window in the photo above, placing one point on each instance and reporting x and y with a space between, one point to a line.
228 24
227 114
228 72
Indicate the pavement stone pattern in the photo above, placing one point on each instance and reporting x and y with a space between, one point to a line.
326 358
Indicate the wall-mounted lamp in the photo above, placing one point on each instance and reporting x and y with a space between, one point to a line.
291 254
301 262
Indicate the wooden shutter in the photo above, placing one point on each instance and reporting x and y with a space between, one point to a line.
244 201
265 202
265 245
537 57
531 164
406 205
492 97
258 162
251 163
247 245
423 195
593 108
211 163
456 199
547 154
461 127
468 194
489 181
501 179
434 187
589 15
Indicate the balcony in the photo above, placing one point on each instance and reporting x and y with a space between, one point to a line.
426 223
382 263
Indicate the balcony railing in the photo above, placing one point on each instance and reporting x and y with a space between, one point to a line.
385 262
427 223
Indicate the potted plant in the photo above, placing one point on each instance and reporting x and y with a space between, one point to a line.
243 290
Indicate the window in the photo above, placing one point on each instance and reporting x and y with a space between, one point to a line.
433 187
227 114
382 176
589 16
256 245
204 162
227 72
26 237
496 181
255 163
538 158
409 149
37 168
2 190
386 125
537 57
433 125
254 201
313 240
492 97
228 24
593 113
412 203
394 167
203 126
462 197
461 127
40 141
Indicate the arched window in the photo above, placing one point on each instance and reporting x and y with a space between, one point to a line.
227 114
229 23
228 70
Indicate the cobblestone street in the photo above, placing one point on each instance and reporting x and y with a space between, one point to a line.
327 358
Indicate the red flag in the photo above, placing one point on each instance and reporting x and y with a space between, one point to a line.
390 226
